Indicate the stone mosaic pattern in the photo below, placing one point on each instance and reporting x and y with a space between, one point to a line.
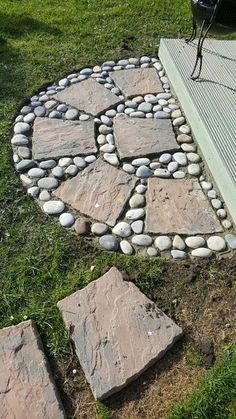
117 332
27 389
90 147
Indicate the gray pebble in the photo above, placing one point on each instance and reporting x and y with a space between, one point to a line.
90 159
24 152
152 252
50 104
55 115
166 96
33 191
40 111
155 165
142 240
120 108
36 172
58 171
86 71
226 224
172 166
84 117
151 99
26 109
194 242
161 115
24 165
47 164
128 168
178 121
111 158
19 118
71 170
180 158
137 114
179 174
165 158
221 213
105 120
44 195
109 242
178 254
184 129
212 194
104 129
194 169
163 243
163 173
137 226
21 128
101 139
126 247
216 243
193 157
141 188
145 107
202 252
107 148
143 161
178 243
53 207
48 183
110 138
99 229
122 229
71 114
29 118
63 82
111 113
26 181
66 219
65 161
62 107
131 104
157 108
231 241
137 201
143 172
216 203
135 214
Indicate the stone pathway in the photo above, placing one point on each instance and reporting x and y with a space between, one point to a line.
108 152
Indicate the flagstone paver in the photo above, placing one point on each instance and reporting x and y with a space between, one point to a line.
54 138
142 137
117 332
139 81
100 191
27 389
179 206
88 96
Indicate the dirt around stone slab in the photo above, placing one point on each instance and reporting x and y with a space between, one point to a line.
200 297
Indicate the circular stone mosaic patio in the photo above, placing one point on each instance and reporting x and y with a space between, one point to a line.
108 152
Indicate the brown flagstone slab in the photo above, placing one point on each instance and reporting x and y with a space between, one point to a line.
27 389
99 191
117 332
135 137
179 206
89 96
138 81
55 138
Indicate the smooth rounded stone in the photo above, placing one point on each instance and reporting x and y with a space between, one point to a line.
55 115
43 97
131 104
40 111
163 102
63 82
178 243
101 139
142 240
24 165
24 152
26 109
137 201
166 96
62 107
149 115
202 252
161 115
179 174
134 61
216 203
99 229
86 71
16 158
126 247
157 108
128 168
35 104
51 91
184 129
194 242
145 107
151 99
189 148
135 214
178 254
155 165
104 129
173 166
36 172
44 196
71 170
152 252
172 106
58 171
143 172
72 81
97 69
48 183
176 113
163 243
143 161
183 138
231 240
137 226
122 229
71 114
107 148
65 161
101 80
106 120
221 213
178 121
141 188
166 110
123 63
143 181
138 99
21 128
202 178
19 118
53 207
158 66
137 114
193 157
164 79
145 59
163 173
66 219
120 108
212 194
180 158
50 104
47 164
82 226
226 224
90 159
109 242
26 181
128 111
165 158
111 113
194 169
33 191
84 117
206 185
216 243
111 158
29 118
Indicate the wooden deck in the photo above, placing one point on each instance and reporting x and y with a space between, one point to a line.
209 105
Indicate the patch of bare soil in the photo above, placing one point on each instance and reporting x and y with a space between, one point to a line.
201 297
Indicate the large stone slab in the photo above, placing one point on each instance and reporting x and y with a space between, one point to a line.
138 81
137 137
179 206
99 191
88 96
27 389
117 332
54 138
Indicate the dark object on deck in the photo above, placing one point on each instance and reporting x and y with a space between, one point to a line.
218 16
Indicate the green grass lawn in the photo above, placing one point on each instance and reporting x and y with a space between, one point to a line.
40 42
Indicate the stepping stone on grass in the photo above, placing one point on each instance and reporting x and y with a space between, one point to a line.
117 332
